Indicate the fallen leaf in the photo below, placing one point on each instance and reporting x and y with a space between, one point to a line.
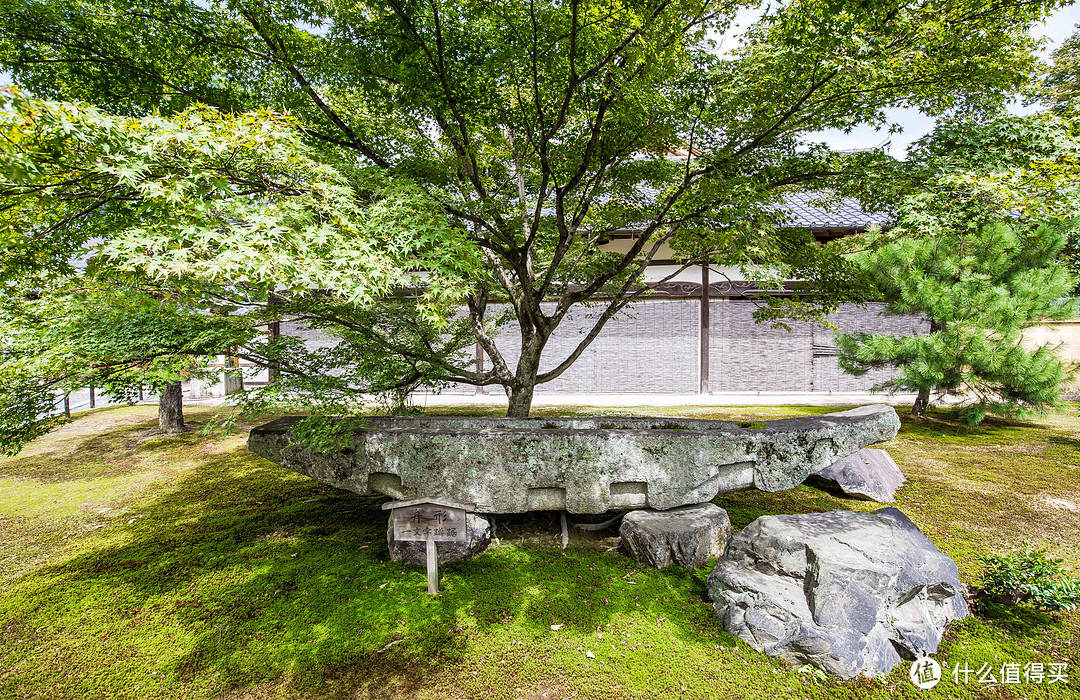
590 655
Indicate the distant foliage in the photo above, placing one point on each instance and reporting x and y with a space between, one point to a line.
117 337
1061 89
1029 577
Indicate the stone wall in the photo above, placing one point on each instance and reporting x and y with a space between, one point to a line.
652 346
312 338
747 356
851 319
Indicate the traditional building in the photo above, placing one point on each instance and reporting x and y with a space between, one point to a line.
696 332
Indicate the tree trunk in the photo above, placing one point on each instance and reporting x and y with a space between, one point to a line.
918 409
171 409
922 401
520 392
520 401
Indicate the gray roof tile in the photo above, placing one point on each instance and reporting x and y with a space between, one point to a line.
843 215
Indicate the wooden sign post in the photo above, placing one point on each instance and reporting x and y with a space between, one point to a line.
430 520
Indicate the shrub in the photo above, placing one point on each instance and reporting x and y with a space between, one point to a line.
1029 576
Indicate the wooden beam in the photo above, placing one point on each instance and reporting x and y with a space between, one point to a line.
479 365
435 501
703 349
273 330
432 567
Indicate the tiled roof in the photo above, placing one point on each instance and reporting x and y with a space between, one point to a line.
847 214
844 214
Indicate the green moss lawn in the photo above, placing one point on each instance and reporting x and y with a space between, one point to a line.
135 566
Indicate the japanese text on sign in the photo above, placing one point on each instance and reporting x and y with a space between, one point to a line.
429 522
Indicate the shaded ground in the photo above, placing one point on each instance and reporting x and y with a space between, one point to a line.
138 566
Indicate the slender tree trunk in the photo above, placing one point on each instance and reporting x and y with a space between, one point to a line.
922 401
273 372
520 402
918 409
171 409
520 392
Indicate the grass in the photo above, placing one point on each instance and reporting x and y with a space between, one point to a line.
135 566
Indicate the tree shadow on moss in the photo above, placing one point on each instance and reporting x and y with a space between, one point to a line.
744 507
105 455
271 575
1063 440
945 424
1020 620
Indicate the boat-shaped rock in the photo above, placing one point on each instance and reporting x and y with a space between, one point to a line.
581 465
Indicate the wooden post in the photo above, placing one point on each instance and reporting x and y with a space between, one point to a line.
92 402
479 364
432 567
232 375
142 397
429 520
703 348
67 405
273 372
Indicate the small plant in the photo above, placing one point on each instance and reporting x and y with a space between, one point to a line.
1028 576
813 672
324 434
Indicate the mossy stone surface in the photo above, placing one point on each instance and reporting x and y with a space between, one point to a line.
581 465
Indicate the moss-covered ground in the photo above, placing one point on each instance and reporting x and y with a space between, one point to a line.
136 566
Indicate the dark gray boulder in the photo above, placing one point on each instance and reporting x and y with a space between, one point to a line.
449 552
851 593
688 536
869 475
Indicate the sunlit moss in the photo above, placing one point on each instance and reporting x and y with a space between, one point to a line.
200 570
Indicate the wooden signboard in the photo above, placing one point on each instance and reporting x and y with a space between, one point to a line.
430 521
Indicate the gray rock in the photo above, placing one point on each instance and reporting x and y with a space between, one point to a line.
851 593
688 536
869 475
449 552
581 465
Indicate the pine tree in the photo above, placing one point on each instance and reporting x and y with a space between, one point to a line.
980 291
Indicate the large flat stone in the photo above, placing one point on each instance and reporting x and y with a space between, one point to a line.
868 475
581 465
688 536
852 593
